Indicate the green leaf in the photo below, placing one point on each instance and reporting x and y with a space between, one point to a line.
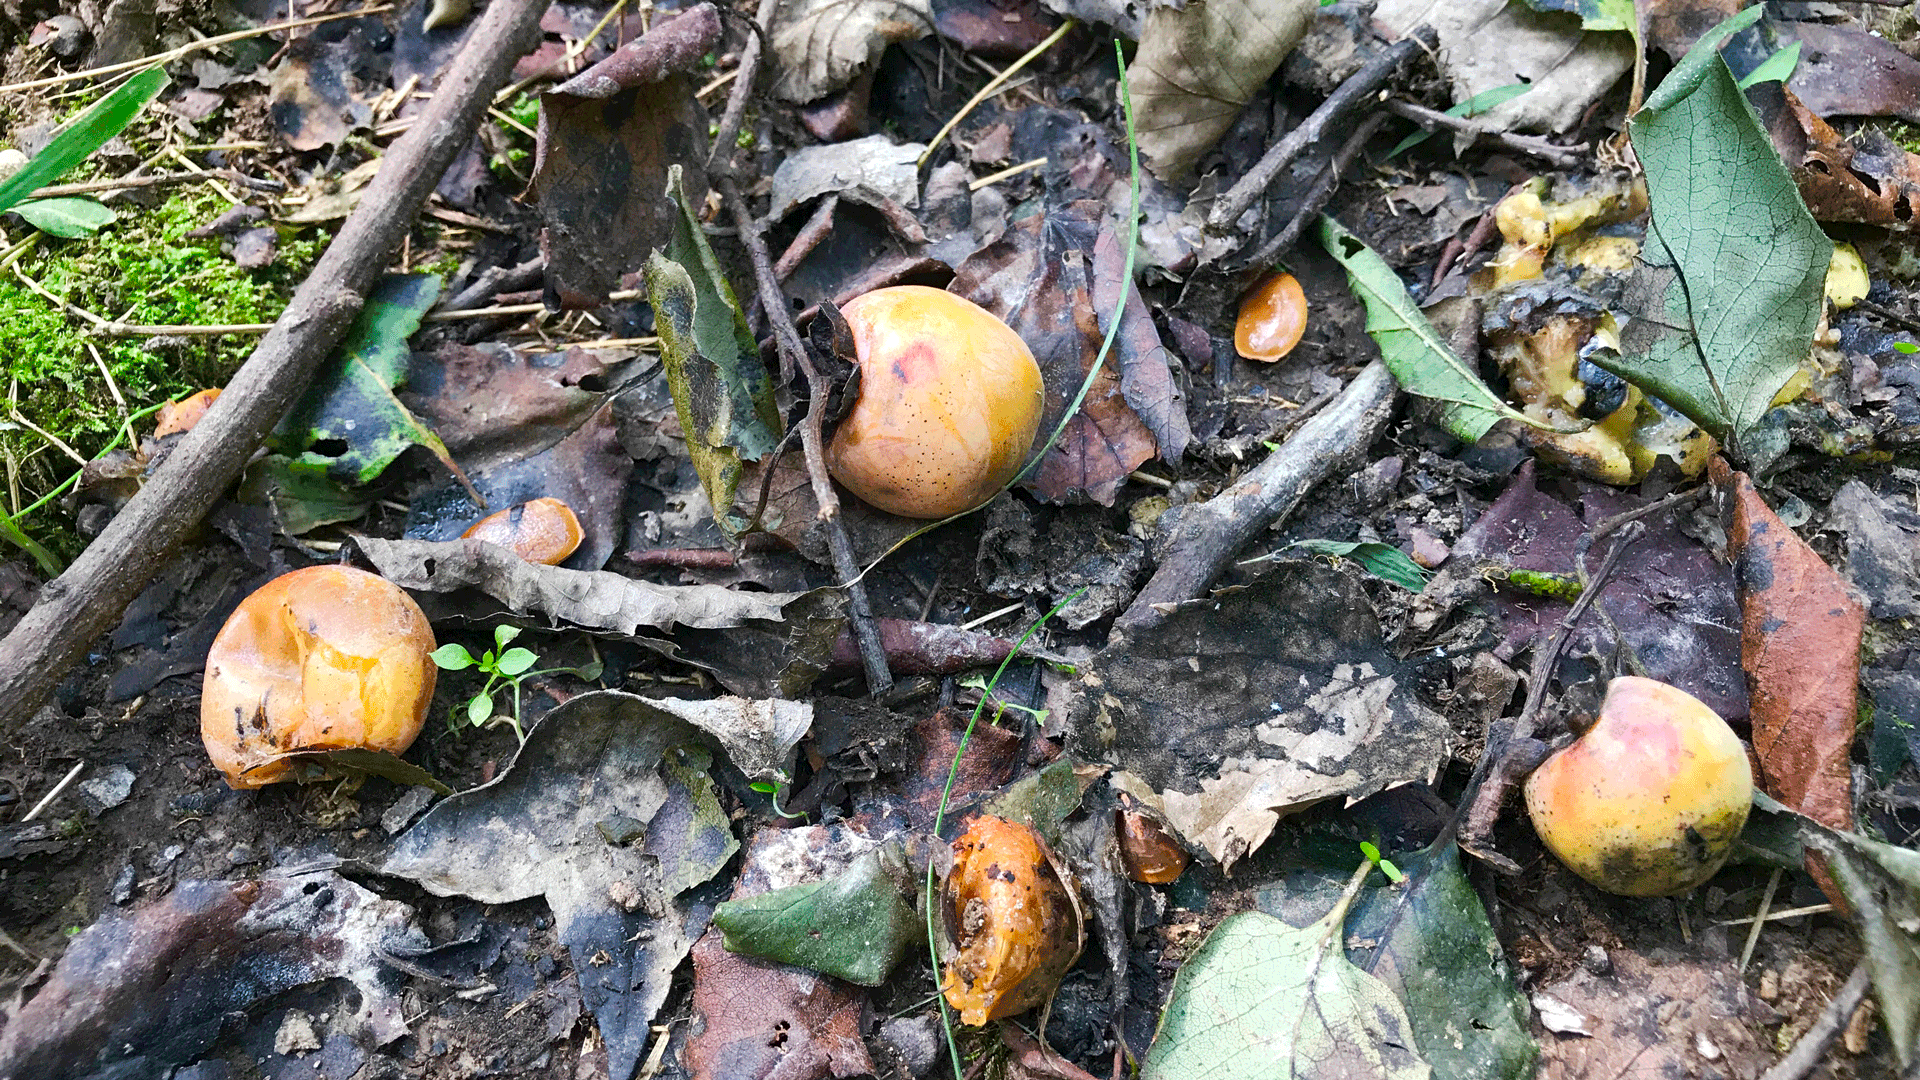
1776 68
720 386
69 218
303 497
480 709
1906 347
452 656
855 925
1384 561
515 661
504 633
1261 1000
1729 287
349 422
1594 14
1418 356
1473 106
78 140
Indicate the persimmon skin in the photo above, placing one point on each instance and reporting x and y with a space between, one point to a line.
324 658
1649 800
949 403
1016 927
179 416
1149 853
1272 318
542 530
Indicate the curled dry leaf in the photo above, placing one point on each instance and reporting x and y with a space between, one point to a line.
821 44
1198 65
1870 181
1013 921
1800 645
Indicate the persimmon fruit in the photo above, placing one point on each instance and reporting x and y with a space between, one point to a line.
178 416
1648 801
542 530
324 658
1272 319
1013 921
949 403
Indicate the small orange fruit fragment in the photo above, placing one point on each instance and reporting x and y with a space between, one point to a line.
324 658
540 530
1148 852
948 406
1015 922
1272 318
178 416
1649 800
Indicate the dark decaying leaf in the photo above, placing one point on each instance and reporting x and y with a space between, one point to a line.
1800 645
822 44
317 94
532 832
1257 703
1072 551
606 138
720 386
350 422
137 994
855 925
1846 71
301 494
759 1020
1039 279
523 426
1728 289
792 514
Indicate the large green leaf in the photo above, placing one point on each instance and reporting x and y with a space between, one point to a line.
1594 14
1262 1000
1726 297
349 422
88 132
855 925
719 384
69 217
1418 356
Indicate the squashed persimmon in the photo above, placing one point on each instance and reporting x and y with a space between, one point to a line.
1648 801
177 416
1013 921
540 530
949 403
324 658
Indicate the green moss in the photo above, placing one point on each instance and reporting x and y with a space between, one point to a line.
141 270
1905 135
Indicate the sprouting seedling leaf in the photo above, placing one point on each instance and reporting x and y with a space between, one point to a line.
1386 865
1729 288
1384 561
1420 359
1473 106
1907 347
1263 999
78 140
350 422
1776 68
720 387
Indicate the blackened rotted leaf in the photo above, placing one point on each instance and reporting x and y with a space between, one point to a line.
720 386
533 832
137 994
606 140
1039 279
315 97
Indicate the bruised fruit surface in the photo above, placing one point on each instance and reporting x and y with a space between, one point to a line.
178 416
1271 320
948 406
1649 801
1148 850
1011 918
319 659
539 530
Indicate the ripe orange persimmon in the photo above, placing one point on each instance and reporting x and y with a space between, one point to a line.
540 530
1272 318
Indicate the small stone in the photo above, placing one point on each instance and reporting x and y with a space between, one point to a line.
621 831
405 809
624 895
1705 1046
296 1034
121 890
1769 986
242 854
109 789
1596 961
1428 550
913 1041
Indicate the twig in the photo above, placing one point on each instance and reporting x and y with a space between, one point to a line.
1759 919
993 87
87 187
47 799
1361 84
190 48
1832 1021
79 605
1010 171
1209 534
1565 157
1320 194
794 361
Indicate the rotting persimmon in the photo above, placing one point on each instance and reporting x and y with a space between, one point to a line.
1148 851
949 403
542 530
1013 921
1272 318
324 658
1648 801
177 416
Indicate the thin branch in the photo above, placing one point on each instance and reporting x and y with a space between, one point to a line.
1320 194
88 187
1565 157
993 87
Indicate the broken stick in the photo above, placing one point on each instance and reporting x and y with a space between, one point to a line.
86 601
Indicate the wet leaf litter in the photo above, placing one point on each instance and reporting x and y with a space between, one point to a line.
1185 736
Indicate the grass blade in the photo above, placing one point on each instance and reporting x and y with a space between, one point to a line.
78 140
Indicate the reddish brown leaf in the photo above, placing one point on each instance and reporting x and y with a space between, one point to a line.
758 1020
1872 183
1800 645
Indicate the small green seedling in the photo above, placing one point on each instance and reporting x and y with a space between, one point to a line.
1386 866
769 787
502 667
1906 347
